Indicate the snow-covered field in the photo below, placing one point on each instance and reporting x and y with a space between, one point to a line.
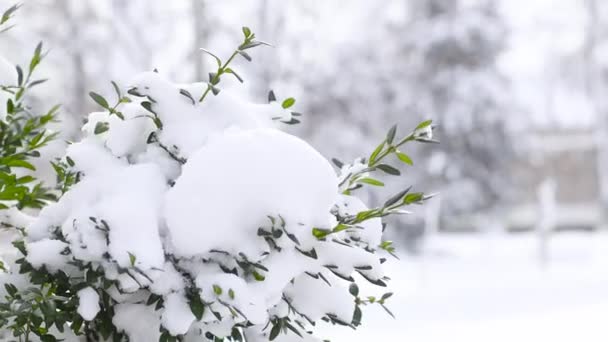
493 288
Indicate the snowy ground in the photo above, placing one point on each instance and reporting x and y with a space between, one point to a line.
493 288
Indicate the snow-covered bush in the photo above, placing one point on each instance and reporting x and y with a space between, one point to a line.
188 215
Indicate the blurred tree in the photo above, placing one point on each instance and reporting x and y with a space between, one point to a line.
452 49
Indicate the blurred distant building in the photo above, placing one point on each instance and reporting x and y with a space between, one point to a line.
569 159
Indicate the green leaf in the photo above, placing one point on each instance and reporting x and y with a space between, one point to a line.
288 102
320 233
19 75
36 82
376 152
230 71
405 158
19 163
245 55
231 293
395 198
116 89
187 94
371 181
424 124
217 59
357 316
132 258
101 127
387 296
390 136
257 276
387 310
217 289
148 106
7 14
389 169
413 198
274 332
100 100
36 58
246 32
197 307
353 289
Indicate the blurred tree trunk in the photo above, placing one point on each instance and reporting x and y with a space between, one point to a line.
201 35
79 78
594 90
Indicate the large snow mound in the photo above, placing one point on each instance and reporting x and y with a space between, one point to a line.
230 186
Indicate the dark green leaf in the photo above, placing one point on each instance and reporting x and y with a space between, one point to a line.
100 100
389 169
101 127
390 136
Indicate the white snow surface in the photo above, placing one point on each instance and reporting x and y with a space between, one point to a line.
230 186
88 303
493 287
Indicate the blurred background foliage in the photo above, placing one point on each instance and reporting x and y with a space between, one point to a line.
515 88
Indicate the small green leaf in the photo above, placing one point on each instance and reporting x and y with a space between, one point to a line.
100 100
148 106
376 152
390 136
187 94
395 198
217 289
245 55
246 32
230 71
101 127
371 181
413 198
274 332
424 124
116 89
389 169
353 289
132 258
231 293
197 307
257 276
357 316
320 233
387 295
217 59
288 102
405 158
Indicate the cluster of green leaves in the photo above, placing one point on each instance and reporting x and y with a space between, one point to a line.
377 159
353 180
22 135
362 301
223 68
52 301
